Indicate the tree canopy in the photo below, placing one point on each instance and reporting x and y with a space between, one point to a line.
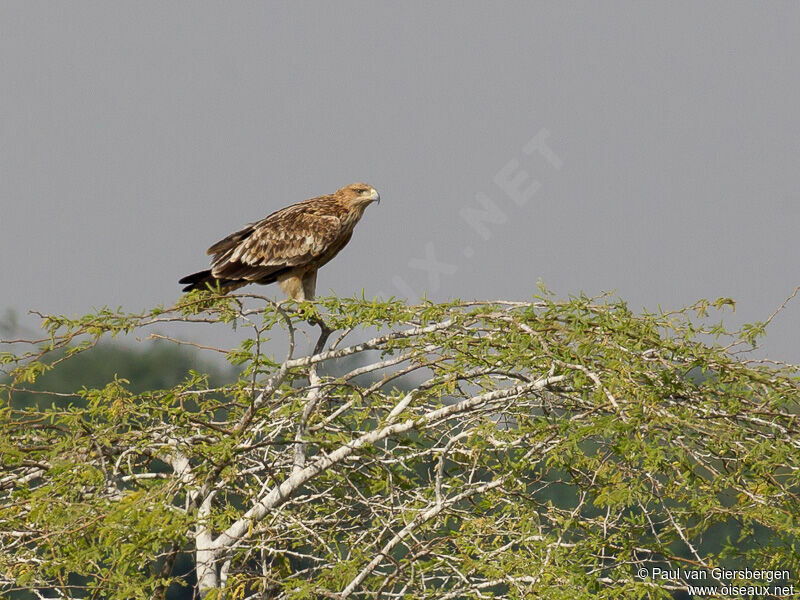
550 448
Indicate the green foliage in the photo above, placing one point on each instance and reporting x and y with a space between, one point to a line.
473 450
154 367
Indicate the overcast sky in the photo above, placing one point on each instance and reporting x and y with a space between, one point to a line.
648 149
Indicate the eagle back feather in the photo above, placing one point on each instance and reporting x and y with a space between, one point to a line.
308 233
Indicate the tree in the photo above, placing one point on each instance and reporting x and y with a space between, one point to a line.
479 449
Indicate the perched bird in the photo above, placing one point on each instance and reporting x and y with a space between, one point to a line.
288 246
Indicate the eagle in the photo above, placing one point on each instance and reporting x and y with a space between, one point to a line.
288 246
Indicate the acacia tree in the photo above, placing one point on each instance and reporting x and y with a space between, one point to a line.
477 450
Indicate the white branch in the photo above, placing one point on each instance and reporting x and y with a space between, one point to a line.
289 486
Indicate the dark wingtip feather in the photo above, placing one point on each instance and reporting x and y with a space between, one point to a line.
196 280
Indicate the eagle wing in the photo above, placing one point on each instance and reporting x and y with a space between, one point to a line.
292 237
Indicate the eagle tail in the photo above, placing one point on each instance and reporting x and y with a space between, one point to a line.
198 281
201 279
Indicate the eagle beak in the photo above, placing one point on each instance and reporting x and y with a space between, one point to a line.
375 196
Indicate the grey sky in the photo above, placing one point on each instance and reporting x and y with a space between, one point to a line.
135 134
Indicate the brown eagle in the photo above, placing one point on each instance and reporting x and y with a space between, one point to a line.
288 246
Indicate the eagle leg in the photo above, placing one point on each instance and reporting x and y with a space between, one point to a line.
310 284
292 285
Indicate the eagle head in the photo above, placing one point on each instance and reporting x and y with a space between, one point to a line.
360 194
